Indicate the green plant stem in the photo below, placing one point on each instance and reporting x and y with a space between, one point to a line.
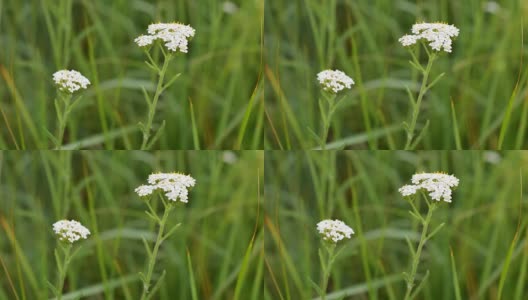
327 268
416 106
63 107
153 104
326 116
416 259
153 257
63 270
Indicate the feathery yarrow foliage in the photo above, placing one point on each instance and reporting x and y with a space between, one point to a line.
174 185
438 35
175 36
70 81
70 231
438 185
334 230
334 81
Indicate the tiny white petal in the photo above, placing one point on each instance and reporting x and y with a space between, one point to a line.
438 35
70 231
334 230
70 81
175 36
334 81
438 185
174 185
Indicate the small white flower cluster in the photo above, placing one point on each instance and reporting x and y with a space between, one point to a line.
438 35
70 231
173 184
334 230
174 35
70 81
334 81
438 185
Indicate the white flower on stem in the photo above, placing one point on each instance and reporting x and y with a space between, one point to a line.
334 81
175 36
438 35
334 230
70 231
144 40
174 185
70 81
438 185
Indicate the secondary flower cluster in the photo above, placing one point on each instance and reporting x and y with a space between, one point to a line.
334 230
438 35
70 231
334 81
175 36
70 81
173 184
438 185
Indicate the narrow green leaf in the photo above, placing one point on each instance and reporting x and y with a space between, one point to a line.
170 82
170 232
196 140
420 286
455 276
194 293
157 136
156 286
145 243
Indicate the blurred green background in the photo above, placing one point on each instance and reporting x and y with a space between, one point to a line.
221 229
485 225
220 74
481 100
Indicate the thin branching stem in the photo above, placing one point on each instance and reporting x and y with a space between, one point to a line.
63 107
327 268
63 269
410 278
152 259
416 106
154 102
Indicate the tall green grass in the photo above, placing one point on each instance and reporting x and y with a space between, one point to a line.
480 253
217 103
216 253
485 76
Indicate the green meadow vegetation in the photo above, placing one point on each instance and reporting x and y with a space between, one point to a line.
216 252
479 103
479 253
216 102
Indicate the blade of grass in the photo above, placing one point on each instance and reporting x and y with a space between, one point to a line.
455 275
456 131
196 140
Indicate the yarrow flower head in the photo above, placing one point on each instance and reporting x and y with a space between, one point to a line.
70 231
334 81
174 185
438 185
438 35
175 36
70 81
334 230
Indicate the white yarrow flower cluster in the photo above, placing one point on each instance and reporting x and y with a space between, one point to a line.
438 35
175 36
174 185
334 230
70 231
70 81
334 81
438 185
